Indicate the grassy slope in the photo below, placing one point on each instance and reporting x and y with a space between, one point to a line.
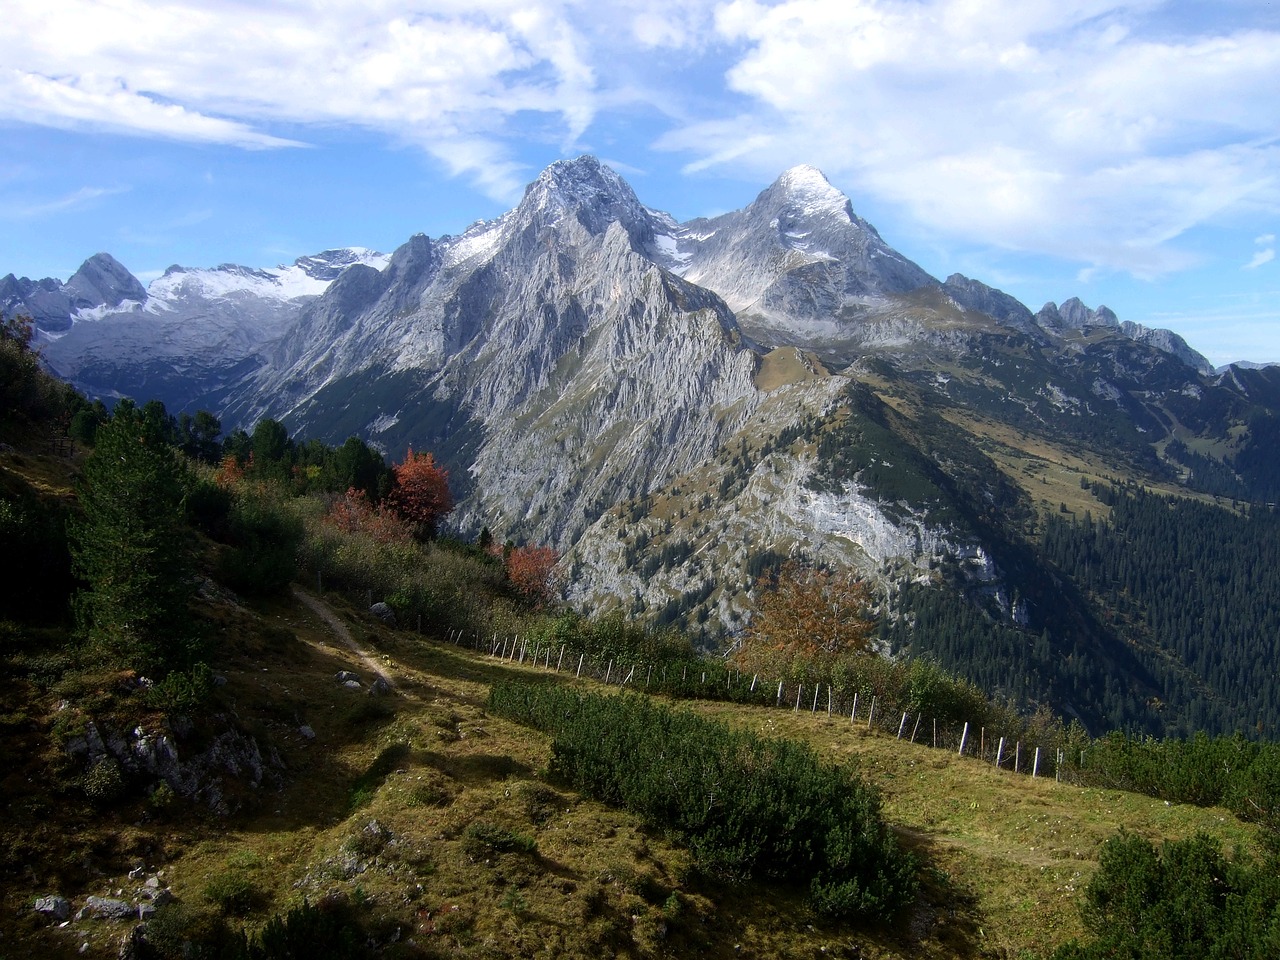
1007 857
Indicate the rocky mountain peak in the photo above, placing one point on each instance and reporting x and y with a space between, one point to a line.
1078 316
808 191
327 264
103 281
975 295
588 191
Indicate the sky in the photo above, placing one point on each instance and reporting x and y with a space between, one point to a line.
1127 153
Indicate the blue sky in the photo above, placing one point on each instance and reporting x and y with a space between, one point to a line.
1125 153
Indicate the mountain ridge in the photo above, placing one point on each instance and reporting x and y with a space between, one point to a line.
676 406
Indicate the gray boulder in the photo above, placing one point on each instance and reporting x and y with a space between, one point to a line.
56 908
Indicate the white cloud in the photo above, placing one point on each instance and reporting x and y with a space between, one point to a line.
75 200
1059 128
1100 131
1265 238
1259 258
450 75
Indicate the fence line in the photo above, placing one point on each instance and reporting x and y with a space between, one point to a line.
760 692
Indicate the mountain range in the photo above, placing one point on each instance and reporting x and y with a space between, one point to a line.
678 406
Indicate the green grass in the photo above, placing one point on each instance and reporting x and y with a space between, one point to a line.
476 853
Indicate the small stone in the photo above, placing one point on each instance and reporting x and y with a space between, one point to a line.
307 732
344 676
380 686
384 613
153 883
352 685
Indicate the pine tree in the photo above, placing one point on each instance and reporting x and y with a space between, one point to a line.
129 546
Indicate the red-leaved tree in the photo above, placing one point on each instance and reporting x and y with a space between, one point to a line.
532 571
420 496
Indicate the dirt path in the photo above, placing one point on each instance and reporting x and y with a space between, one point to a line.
339 630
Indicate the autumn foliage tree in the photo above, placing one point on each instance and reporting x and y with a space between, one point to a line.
803 613
532 572
420 495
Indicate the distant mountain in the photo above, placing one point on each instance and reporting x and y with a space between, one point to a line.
679 406
184 339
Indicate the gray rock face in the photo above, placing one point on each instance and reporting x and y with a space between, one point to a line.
975 295
55 908
107 908
102 281
796 260
233 757
1170 343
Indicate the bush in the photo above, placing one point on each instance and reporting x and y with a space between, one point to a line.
264 535
1182 902
104 783
744 805
483 840
232 892
307 931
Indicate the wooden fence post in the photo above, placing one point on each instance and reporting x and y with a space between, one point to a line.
853 714
902 723
1000 751
754 678
828 701
608 673
816 690
1017 755
871 714
1035 765
561 658
578 676
915 728
799 690
964 735
779 693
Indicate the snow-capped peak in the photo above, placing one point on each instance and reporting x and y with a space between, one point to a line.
306 277
811 191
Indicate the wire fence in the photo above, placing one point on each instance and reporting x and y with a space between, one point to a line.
864 709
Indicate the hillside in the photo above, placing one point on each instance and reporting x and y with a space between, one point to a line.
382 804
299 766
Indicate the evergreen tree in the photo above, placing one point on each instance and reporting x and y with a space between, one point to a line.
129 546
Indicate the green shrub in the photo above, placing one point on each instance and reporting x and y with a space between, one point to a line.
329 931
1184 901
232 891
182 691
744 805
104 783
265 536
483 840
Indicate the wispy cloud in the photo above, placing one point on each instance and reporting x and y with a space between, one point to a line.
1086 129
1259 258
450 76
75 200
